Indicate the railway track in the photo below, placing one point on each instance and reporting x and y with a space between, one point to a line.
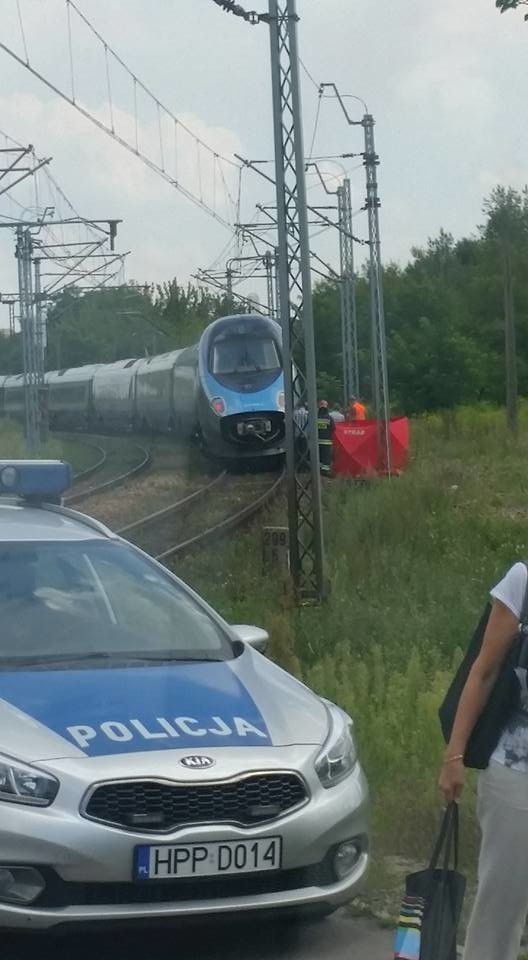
97 465
223 505
119 460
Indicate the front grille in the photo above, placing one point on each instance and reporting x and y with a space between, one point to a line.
61 893
229 427
160 806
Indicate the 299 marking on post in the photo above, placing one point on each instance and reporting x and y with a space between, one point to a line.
218 858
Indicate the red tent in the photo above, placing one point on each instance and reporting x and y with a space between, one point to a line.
356 447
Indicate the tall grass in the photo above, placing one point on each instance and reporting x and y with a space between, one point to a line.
411 562
13 444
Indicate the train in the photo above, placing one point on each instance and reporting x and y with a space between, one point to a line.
226 392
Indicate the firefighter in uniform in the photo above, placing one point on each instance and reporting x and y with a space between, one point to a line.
325 429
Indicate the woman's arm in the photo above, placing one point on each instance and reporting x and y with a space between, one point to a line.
500 632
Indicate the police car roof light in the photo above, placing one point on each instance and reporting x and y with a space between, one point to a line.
37 479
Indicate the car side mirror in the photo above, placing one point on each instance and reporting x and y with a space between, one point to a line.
253 637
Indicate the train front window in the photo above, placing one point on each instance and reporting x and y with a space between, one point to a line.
244 354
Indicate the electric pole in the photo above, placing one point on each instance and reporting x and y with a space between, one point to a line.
31 299
307 562
229 288
378 341
295 291
380 380
349 333
32 377
270 293
510 347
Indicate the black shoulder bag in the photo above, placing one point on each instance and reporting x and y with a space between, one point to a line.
503 699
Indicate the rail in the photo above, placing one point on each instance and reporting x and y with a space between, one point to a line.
228 523
173 508
139 467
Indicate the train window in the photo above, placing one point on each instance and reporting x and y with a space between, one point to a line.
244 354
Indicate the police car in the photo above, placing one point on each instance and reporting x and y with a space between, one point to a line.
153 763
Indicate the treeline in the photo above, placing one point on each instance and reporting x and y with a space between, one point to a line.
119 322
445 317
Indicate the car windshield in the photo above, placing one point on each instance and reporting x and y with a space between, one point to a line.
245 354
94 600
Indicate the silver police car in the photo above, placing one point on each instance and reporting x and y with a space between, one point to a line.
153 763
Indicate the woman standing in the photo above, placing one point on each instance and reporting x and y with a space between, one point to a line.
501 905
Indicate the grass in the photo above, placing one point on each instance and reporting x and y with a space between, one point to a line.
13 445
411 562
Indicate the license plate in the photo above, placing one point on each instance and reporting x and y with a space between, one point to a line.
171 861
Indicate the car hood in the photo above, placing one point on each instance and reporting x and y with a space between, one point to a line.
246 702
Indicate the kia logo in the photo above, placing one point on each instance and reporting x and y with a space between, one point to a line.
197 762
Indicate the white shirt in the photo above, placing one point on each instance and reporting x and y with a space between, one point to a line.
512 748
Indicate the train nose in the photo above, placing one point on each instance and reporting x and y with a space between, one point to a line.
255 430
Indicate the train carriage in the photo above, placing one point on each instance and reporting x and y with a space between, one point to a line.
154 392
114 395
70 399
14 400
184 391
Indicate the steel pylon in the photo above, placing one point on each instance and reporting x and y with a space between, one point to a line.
33 373
380 382
349 333
296 312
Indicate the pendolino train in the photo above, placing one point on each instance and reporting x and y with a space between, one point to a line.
227 391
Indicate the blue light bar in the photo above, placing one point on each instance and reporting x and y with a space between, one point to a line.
35 478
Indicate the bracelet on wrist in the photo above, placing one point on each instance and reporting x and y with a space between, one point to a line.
457 756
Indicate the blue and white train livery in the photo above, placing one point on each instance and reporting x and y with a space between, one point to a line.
227 391
241 386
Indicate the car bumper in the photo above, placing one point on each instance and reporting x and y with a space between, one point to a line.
88 866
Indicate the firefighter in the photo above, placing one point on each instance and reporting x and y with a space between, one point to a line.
356 410
325 429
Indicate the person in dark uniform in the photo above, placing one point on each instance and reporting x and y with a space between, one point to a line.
325 429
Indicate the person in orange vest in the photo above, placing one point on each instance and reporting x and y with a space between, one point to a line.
356 410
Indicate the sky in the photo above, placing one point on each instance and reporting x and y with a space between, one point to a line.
445 82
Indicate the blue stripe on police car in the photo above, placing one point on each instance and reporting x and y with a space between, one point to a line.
135 709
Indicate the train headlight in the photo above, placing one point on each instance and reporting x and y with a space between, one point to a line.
218 405
281 400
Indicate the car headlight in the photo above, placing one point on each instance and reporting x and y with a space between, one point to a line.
22 783
338 756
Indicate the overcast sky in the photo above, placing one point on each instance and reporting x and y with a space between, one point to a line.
446 82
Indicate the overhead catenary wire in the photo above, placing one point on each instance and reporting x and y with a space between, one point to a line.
132 144
22 31
49 241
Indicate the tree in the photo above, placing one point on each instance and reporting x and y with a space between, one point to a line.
507 228
504 5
